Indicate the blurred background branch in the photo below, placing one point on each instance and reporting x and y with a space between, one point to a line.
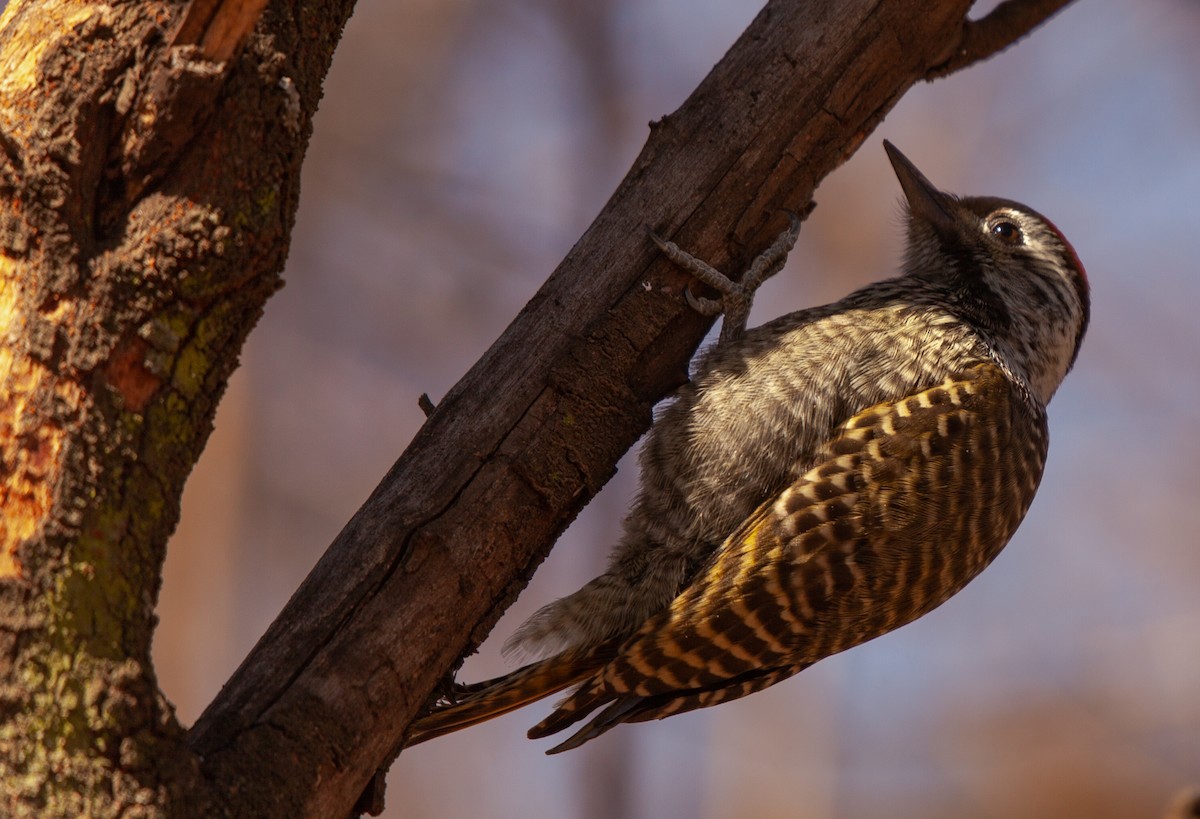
1185 805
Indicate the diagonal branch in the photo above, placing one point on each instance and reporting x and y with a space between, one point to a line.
423 570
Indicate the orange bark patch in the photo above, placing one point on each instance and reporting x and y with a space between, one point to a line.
33 35
30 443
126 371
29 462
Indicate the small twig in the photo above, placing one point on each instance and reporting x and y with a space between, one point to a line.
1005 25
426 405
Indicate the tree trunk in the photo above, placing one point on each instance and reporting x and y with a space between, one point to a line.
148 184
149 159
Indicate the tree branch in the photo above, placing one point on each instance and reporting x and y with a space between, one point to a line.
420 574
1002 27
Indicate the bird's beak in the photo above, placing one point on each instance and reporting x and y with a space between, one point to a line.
924 200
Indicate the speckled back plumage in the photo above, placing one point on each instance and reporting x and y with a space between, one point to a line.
748 425
823 479
858 546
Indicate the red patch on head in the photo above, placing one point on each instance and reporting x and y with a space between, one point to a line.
1082 287
1070 250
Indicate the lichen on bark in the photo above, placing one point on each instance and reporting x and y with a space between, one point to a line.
147 190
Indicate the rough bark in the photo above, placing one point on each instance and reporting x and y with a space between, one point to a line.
148 180
147 190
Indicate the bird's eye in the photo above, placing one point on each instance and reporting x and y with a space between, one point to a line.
1005 230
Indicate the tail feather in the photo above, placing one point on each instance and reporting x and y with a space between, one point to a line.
508 693
627 707
574 708
618 711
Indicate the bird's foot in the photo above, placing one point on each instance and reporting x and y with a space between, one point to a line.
450 691
736 297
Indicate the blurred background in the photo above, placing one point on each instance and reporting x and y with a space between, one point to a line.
463 146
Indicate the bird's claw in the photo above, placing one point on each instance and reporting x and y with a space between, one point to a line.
703 306
736 297
450 691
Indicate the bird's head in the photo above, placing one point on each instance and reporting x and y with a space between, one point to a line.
1005 269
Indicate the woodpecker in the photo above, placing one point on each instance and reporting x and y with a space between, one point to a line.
822 479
